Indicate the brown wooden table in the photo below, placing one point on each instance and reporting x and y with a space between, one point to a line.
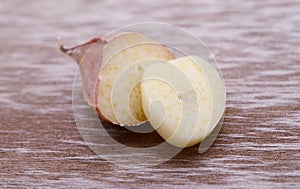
257 44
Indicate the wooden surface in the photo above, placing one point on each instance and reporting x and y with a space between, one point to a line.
257 44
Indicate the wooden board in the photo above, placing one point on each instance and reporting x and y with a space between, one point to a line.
257 44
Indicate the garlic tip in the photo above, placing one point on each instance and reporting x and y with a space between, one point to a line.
61 45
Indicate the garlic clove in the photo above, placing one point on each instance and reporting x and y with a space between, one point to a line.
101 61
193 95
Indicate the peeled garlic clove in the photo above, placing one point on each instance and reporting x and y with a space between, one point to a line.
192 95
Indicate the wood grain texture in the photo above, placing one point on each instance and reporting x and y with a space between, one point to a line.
257 44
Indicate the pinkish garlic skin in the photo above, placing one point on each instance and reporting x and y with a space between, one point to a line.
89 59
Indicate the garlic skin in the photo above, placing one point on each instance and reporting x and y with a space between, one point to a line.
89 59
183 99
102 61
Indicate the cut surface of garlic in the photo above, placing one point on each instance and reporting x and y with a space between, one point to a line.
183 99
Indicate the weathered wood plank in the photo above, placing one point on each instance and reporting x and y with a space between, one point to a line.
257 44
